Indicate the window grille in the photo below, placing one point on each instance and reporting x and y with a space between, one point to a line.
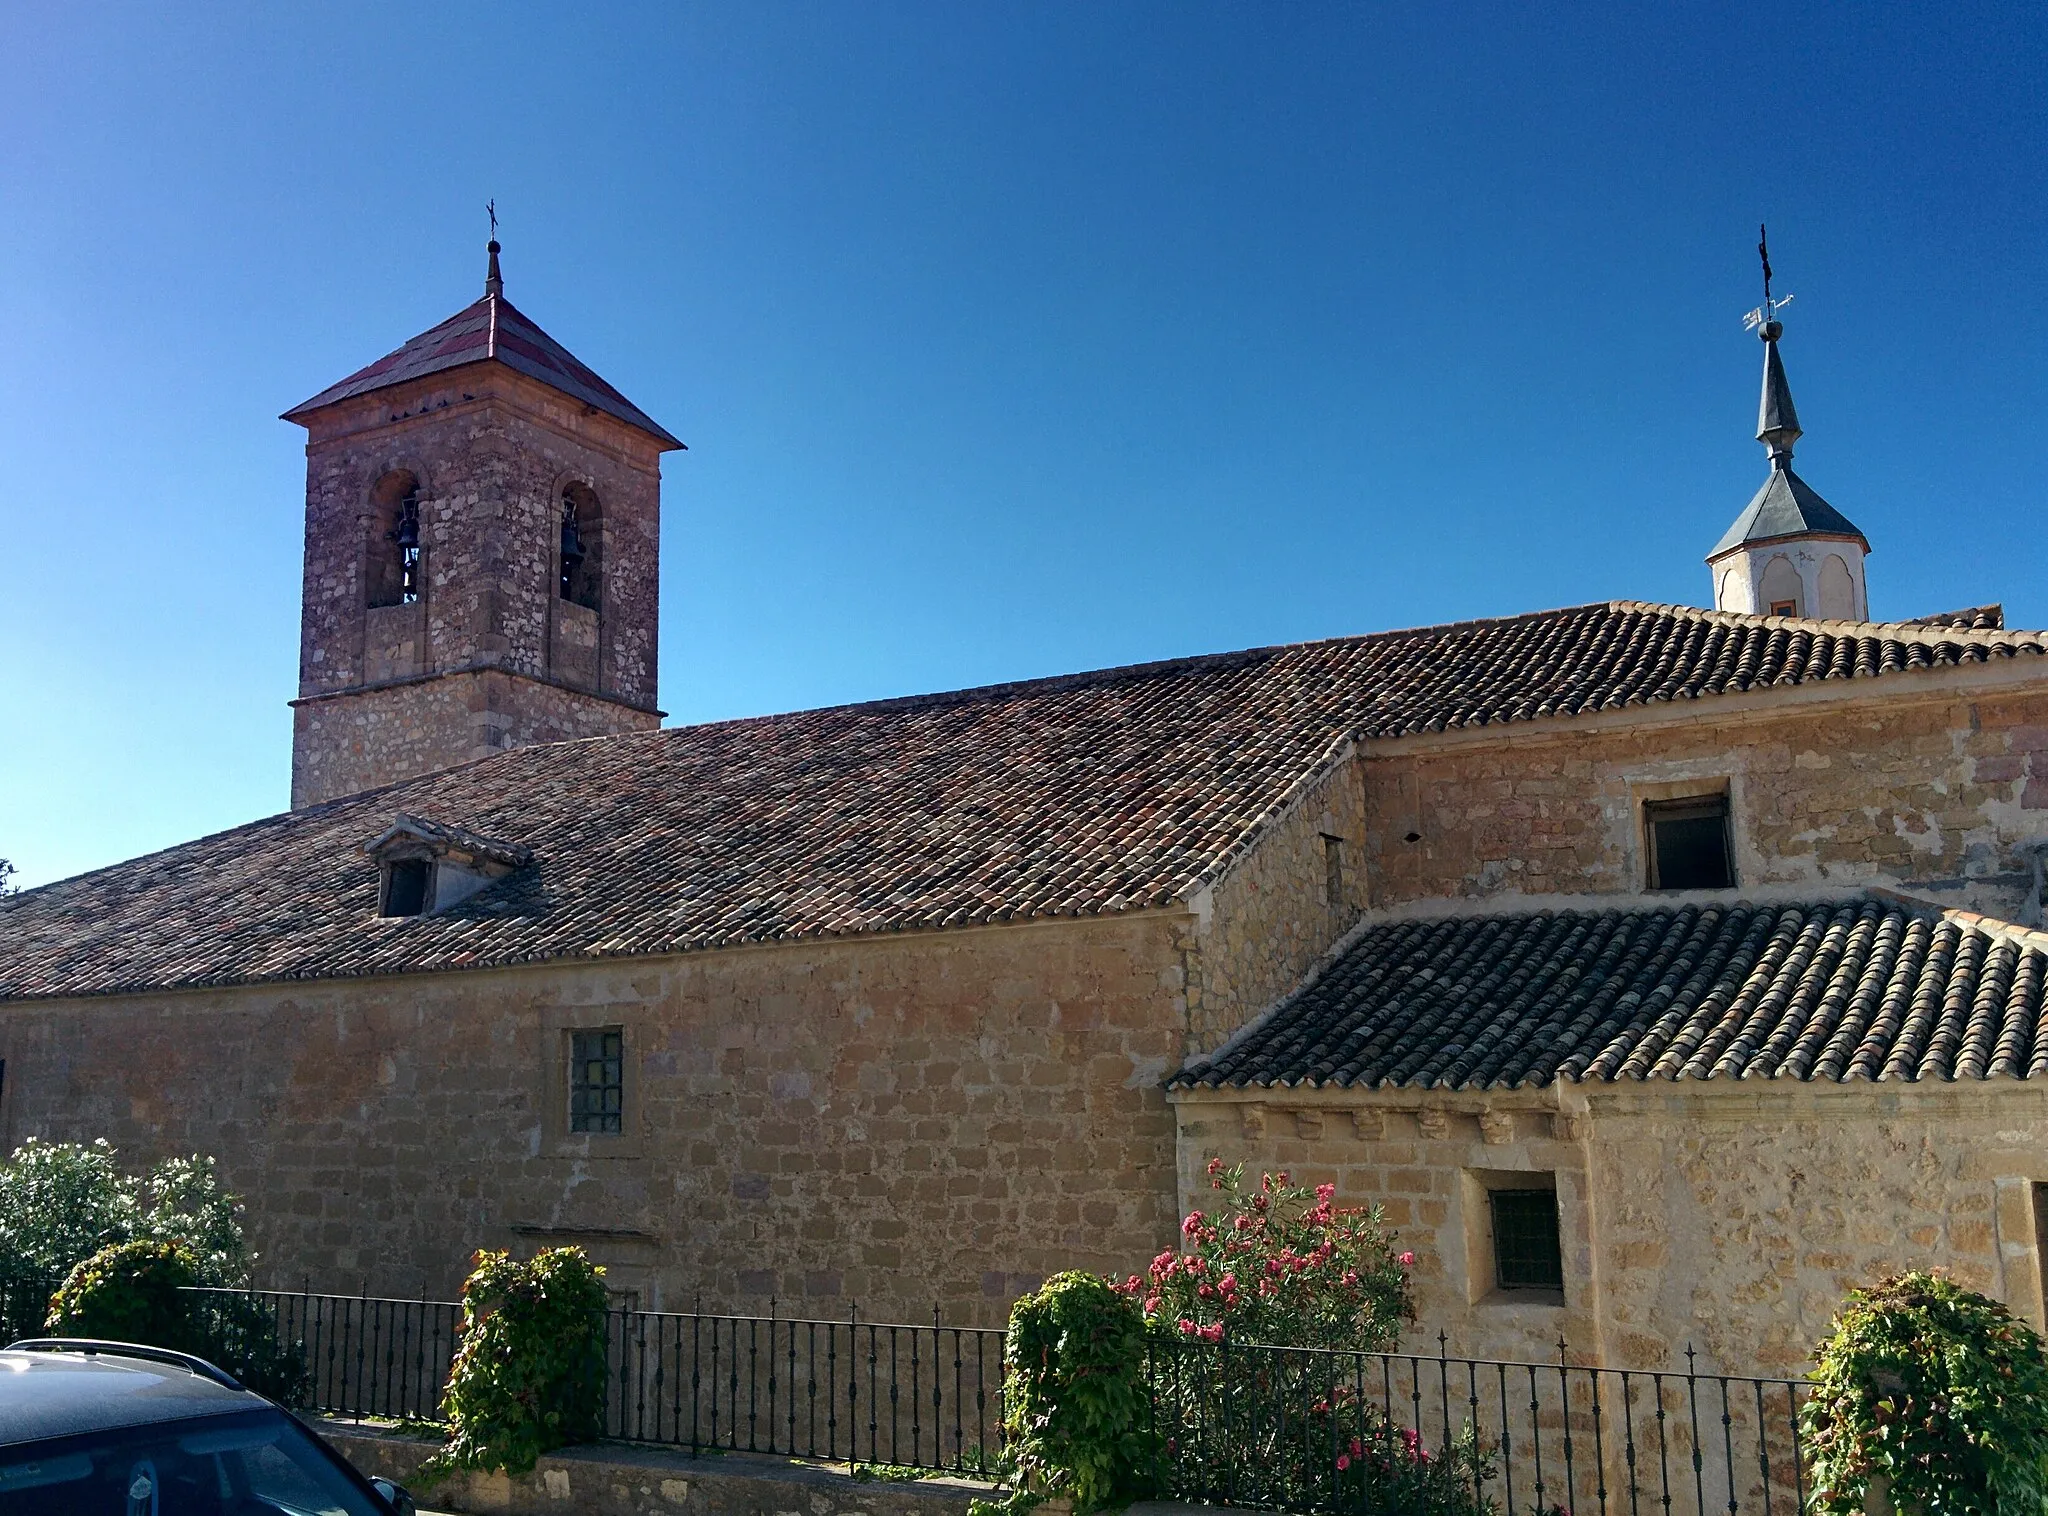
597 1080
1526 1255
1689 843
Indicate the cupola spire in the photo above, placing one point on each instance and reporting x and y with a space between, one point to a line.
1790 553
494 282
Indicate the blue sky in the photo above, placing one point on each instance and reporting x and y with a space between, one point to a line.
1008 339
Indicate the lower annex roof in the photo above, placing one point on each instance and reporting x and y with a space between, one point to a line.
1838 991
1088 794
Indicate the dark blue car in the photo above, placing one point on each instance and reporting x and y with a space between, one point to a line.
113 1429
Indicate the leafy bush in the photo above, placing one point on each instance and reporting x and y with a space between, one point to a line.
129 1292
1075 1405
1278 1287
1938 1391
1283 1266
60 1203
529 1373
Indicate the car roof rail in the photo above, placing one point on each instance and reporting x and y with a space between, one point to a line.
90 1346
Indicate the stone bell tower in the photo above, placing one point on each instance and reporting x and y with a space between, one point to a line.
483 537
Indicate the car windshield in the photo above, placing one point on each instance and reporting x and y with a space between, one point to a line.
254 1463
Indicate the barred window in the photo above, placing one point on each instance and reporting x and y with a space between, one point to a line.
1526 1255
597 1079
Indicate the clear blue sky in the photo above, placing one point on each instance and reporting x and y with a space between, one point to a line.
1008 339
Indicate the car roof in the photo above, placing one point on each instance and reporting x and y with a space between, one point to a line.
60 1394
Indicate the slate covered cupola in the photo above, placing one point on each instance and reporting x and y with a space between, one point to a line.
1789 553
483 529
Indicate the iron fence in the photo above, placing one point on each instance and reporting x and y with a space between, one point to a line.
1311 1430
917 1396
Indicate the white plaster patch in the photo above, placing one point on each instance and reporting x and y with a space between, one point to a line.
557 1482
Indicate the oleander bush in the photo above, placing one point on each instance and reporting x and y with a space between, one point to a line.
1936 1394
62 1202
529 1370
1249 1403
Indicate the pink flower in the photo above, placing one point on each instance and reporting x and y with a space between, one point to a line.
1227 1284
1215 1166
1187 1327
1151 1305
1192 1225
1326 1192
1407 1260
1343 1461
1212 1333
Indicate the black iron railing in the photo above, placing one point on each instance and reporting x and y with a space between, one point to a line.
927 1397
1308 1430
918 1396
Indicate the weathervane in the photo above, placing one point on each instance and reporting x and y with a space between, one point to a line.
491 210
1765 316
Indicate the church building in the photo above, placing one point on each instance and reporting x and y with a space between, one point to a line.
1662 972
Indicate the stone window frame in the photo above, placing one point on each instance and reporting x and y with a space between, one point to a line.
1643 793
1336 882
1476 1187
557 1029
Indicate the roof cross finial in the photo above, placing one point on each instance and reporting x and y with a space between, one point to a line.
494 282
1777 423
1764 319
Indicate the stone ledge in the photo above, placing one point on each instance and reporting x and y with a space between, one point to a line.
624 1479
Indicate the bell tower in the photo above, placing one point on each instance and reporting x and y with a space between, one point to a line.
483 538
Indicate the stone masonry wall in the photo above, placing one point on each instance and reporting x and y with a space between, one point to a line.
1939 789
353 741
492 452
1724 1217
939 1117
1262 927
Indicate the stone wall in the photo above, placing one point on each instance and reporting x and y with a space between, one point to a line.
1939 788
1260 928
928 1118
355 740
1728 1218
492 452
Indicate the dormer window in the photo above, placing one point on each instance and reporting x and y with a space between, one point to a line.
406 884
428 866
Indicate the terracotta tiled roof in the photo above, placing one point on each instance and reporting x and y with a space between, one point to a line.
1975 618
491 329
1091 793
1864 989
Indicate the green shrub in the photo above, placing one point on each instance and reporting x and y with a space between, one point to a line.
129 1292
1936 1390
1075 1405
529 1373
60 1203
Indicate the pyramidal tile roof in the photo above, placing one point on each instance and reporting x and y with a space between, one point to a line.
1864 989
490 330
1093 793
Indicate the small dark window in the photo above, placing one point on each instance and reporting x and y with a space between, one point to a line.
1333 869
1784 607
597 1080
405 887
1689 843
1525 1251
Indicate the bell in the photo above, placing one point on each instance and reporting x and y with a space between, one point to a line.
407 532
572 545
